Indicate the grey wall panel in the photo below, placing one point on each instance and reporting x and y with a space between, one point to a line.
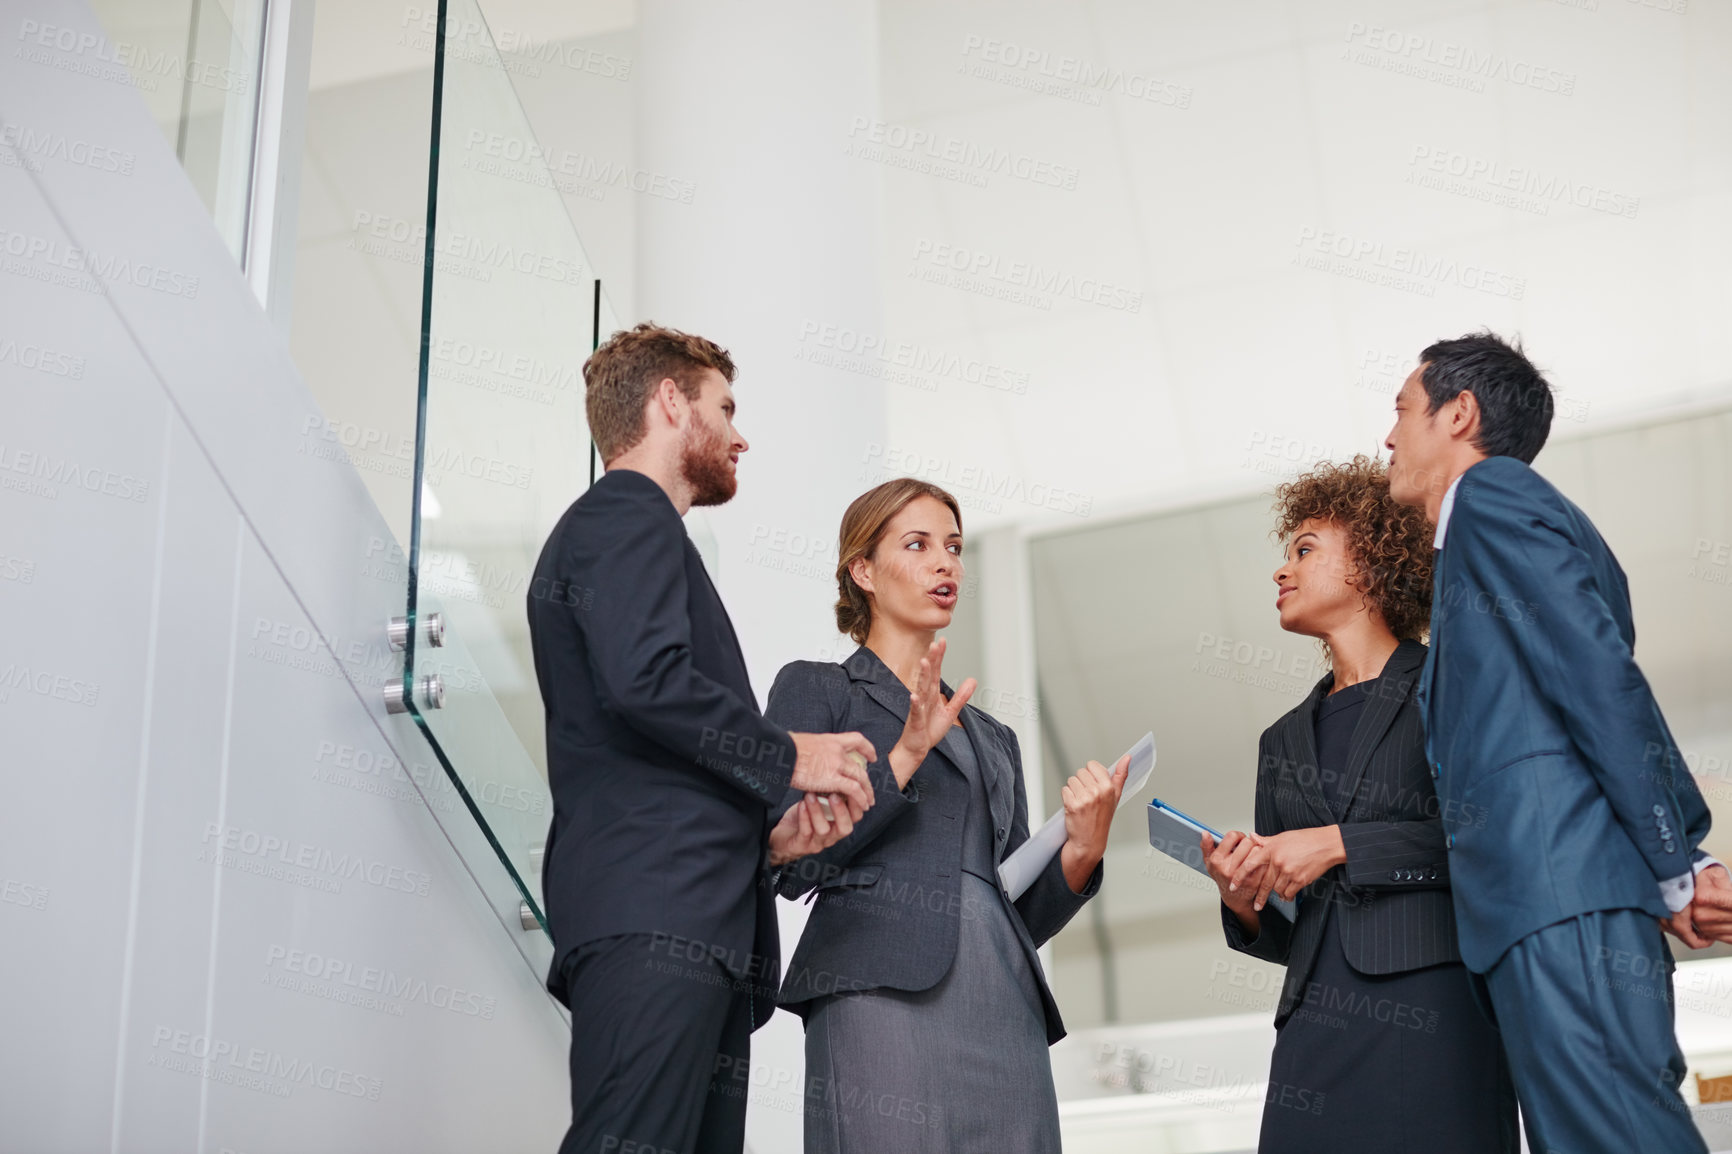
182 683
241 909
155 257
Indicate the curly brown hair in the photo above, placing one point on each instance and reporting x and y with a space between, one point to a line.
1390 543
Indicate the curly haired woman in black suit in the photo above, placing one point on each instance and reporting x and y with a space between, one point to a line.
1380 1043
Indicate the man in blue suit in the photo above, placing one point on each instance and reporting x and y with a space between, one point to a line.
1572 824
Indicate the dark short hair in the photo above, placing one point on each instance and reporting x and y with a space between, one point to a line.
1515 402
620 376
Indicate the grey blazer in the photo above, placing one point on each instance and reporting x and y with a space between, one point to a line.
889 895
1393 895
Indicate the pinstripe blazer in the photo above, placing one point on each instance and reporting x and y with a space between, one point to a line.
1392 895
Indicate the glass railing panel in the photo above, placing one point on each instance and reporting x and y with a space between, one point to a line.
503 447
195 63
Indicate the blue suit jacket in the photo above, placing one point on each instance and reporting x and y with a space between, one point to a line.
1561 788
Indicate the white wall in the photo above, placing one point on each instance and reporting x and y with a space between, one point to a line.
204 789
772 240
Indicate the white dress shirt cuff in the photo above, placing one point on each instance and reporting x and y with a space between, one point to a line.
1677 892
1680 891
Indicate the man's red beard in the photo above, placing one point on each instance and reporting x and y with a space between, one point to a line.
705 466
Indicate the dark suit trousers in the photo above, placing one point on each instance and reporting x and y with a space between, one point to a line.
1585 1007
660 1049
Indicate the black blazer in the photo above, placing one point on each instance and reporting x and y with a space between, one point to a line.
889 895
662 769
1393 895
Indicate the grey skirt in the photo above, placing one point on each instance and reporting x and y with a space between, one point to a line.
961 1068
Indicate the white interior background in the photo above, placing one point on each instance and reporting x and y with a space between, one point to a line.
1249 219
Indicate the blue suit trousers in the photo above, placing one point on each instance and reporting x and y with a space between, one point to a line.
1585 1008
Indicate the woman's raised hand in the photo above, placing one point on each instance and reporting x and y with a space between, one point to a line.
929 715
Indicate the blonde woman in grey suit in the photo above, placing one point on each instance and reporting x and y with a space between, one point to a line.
927 1015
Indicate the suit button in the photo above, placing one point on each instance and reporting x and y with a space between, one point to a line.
1000 833
1433 873
1434 773
1659 811
1394 875
1450 844
1671 847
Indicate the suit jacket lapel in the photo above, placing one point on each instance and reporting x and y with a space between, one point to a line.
998 796
1301 742
1428 675
1391 691
721 610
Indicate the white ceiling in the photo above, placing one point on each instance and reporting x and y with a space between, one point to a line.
1236 347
